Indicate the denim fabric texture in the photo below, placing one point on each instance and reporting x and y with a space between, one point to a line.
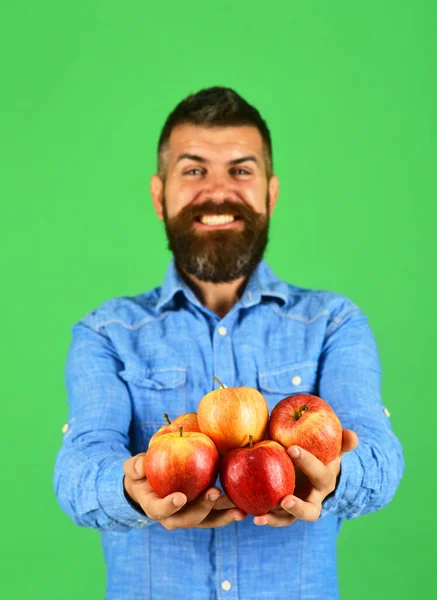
134 358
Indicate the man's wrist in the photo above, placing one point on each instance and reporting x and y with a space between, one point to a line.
131 501
337 482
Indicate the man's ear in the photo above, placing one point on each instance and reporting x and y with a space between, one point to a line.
157 193
273 192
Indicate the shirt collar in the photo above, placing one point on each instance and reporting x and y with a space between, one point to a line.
174 283
262 283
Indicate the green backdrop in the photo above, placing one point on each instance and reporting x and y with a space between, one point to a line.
349 91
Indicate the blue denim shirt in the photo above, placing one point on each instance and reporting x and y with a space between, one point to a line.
134 358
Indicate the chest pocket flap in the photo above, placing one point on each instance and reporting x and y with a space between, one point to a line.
290 379
154 378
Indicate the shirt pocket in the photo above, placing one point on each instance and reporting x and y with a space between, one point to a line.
155 391
287 380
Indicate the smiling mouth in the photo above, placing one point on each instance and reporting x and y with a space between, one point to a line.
217 220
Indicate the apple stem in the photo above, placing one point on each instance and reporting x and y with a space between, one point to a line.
250 441
303 409
300 411
181 429
166 418
222 385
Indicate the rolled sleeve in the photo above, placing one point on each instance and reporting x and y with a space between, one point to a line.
111 494
350 481
350 381
88 474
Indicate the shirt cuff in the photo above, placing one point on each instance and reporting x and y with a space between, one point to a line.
114 500
341 501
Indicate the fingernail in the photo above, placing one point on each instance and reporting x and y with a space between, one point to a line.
139 466
239 518
288 504
260 522
214 497
294 452
178 501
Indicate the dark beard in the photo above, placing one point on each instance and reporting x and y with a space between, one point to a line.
217 256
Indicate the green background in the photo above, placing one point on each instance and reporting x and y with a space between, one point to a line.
349 91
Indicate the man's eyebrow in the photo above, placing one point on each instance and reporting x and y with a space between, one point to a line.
191 157
251 157
235 161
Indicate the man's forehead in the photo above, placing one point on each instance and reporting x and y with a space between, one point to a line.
227 142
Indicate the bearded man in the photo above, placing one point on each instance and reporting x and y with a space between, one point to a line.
220 311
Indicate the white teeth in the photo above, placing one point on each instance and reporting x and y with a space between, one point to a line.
216 219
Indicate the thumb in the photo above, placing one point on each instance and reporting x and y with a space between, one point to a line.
350 441
134 467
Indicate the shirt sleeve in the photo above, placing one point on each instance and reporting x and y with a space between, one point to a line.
88 475
350 380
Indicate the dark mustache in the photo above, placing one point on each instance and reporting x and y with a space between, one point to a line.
211 208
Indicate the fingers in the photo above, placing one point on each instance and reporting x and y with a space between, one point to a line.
140 490
155 507
220 518
195 512
319 475
223 502
292 508
280 518
349 442
305 511
173 511
133 467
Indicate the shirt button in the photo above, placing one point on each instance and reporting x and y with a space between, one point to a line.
296 380
65 428
222 330
226 585
386 412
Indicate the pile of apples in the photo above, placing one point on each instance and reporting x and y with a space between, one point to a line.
231 434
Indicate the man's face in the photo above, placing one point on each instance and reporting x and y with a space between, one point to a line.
216 200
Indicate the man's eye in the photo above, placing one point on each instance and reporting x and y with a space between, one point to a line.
193 171
196 171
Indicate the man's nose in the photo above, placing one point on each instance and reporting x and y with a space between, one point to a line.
218 189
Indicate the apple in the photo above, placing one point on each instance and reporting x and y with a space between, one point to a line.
229 415
256 478
309 422
188 421
181 462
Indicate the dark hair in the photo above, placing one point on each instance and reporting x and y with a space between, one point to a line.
214 107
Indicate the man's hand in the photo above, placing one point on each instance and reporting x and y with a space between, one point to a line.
212 509
314 481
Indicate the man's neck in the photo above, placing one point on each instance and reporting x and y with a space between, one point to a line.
218 297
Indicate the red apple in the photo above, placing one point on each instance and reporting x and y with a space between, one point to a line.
181 462
258 477
309 422
188 421
229 415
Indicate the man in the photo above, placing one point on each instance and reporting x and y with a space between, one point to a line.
220 311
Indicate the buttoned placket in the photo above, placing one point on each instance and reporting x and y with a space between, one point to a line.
225 537
226 544
224 368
